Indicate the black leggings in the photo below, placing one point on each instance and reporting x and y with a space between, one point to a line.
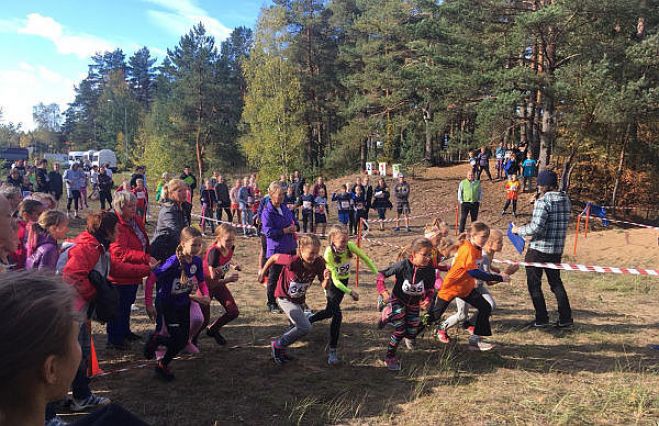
74 196
227 210
177 320
476 300
105 196
273 277
307 220
332 310
505 206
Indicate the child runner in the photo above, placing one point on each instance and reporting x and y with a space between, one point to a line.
381 201
460 282
28 213
307 202
216 267
402 195
510 165
320 211
530 167
245 201
296 276
142 196
343 201
179 278
494 245
415 278
233 196
42 249
512 193
208 201
360 204
473 162
337 257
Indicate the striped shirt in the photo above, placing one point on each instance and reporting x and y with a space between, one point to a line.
548 227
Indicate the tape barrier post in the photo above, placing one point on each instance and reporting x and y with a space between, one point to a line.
93 369
457 219
359 244
585 231
576 235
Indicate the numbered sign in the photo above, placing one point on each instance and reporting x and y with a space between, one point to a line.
369 168
382 168
395 170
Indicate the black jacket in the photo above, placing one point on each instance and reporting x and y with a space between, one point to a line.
55 183
105 182
42 180
171 220
222 195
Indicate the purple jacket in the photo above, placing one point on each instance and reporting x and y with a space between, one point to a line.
45 255
272 227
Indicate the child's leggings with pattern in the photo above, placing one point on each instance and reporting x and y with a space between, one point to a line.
406 320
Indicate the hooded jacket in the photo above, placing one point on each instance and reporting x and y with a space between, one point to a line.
273 224
172 218
45 255
129 259
83 257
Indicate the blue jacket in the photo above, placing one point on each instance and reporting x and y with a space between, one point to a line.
272 226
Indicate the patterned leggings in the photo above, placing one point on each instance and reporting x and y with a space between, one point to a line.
406 320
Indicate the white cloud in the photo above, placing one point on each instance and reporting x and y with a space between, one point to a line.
81 45
181 15
25 85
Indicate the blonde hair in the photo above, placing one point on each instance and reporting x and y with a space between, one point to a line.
333 232
224 229
46 220
188 233
175 184
308 241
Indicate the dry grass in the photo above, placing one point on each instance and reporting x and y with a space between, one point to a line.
601 372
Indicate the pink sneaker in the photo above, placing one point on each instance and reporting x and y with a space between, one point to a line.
190 348
471 330
442 336
392 363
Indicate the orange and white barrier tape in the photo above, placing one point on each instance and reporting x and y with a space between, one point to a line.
656 228
237 225
583 268
138 366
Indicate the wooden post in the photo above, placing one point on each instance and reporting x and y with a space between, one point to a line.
359 244
585 230
576 235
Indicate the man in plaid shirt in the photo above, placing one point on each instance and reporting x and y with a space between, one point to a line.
548 229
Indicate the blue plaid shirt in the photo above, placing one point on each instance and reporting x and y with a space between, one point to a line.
548 227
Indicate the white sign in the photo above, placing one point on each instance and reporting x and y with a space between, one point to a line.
369 168
382 167
395 170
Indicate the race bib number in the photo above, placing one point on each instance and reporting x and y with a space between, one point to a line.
360 206
320 209
225 268
345 205
179 288
141 195
290 206
343 269
306 205
250 200
297 290
413 289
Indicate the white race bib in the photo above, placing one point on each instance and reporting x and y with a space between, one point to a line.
140 195
179 288
413 289
345 205
250 200
343 269
297 290
306 205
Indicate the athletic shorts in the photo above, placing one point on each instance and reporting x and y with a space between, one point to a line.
234 206
382 211
320 218
403 208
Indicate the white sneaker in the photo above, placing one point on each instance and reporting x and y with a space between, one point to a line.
480 345
92 401
410 344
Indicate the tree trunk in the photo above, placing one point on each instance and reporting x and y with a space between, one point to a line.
428 152
621 163
548 132
363 153
568 166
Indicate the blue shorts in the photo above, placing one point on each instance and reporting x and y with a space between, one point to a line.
344 216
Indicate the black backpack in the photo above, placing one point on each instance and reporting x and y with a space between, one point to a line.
105 305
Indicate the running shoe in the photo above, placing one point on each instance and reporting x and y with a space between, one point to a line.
278 353
163 372
410 344
392 363
92 401
332 358
219 339
150 346
442 336
564 324
479 344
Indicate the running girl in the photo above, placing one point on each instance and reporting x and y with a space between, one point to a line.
412 290
297 274
216 267
42 237
494 245
460 282
28 213
337 258
178 280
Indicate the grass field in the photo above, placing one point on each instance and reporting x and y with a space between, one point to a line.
600 372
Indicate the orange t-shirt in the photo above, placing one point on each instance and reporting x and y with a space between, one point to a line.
512 189
457 282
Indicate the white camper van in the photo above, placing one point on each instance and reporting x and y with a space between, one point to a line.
105 156
75 157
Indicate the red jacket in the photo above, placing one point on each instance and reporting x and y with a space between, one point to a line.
82 259
129 260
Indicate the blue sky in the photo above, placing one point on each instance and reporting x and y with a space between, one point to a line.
45 45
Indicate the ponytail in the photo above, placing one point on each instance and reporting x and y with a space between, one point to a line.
188 233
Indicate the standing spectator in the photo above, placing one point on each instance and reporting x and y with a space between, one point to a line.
93 180
208 202
20 166
530 168
190 180
233 196
245 202
174 215
512 193
130 262
548 229
381 201
8 237
42 176
142 196
402 196
88 259
55 183
223 199
283 183
15 178
510 166
298 183
160 188
13 195
72 178
84 182
368 193
520 155
469 197
473 162
279 227
320 183
105 185
500 155
484 162
108 169
139 174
